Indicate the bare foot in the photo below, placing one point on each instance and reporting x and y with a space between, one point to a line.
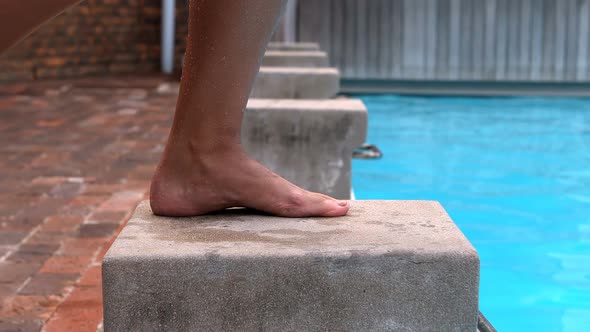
190 186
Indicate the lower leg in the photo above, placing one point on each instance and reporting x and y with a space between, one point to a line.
204 168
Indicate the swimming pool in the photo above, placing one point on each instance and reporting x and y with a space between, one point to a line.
514 174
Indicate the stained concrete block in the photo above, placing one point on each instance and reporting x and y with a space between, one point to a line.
387 266
296 83
308 142
295 59
282 46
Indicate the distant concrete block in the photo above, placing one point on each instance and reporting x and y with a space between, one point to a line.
295 59
279 46
296 83
309 142
387 266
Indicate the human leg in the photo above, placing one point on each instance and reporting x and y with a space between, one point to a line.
204 167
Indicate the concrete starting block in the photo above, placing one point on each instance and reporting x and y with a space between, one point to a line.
281 46
387 266
308 142
295 59
296 83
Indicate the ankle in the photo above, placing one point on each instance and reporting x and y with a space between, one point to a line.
188 160
197 149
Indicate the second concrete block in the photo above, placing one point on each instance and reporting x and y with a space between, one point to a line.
309 142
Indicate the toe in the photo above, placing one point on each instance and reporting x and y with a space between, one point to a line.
307 204
332 208
318 205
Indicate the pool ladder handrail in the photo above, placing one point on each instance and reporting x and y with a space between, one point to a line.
367 151
484 325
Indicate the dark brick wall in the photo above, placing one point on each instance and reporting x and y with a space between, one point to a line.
97 37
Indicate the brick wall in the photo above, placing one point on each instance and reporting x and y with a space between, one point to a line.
97 37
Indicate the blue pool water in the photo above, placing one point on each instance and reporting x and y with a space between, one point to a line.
514 174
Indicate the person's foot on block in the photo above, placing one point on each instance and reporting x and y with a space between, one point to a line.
204 168
188 186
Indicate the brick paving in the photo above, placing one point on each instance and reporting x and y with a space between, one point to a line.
75 159
95 37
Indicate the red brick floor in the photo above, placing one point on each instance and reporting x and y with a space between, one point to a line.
75 159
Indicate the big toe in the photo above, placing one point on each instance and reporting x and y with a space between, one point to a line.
333 208
318 205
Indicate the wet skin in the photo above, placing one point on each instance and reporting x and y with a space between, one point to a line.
204 168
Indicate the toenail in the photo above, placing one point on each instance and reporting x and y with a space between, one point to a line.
342 203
